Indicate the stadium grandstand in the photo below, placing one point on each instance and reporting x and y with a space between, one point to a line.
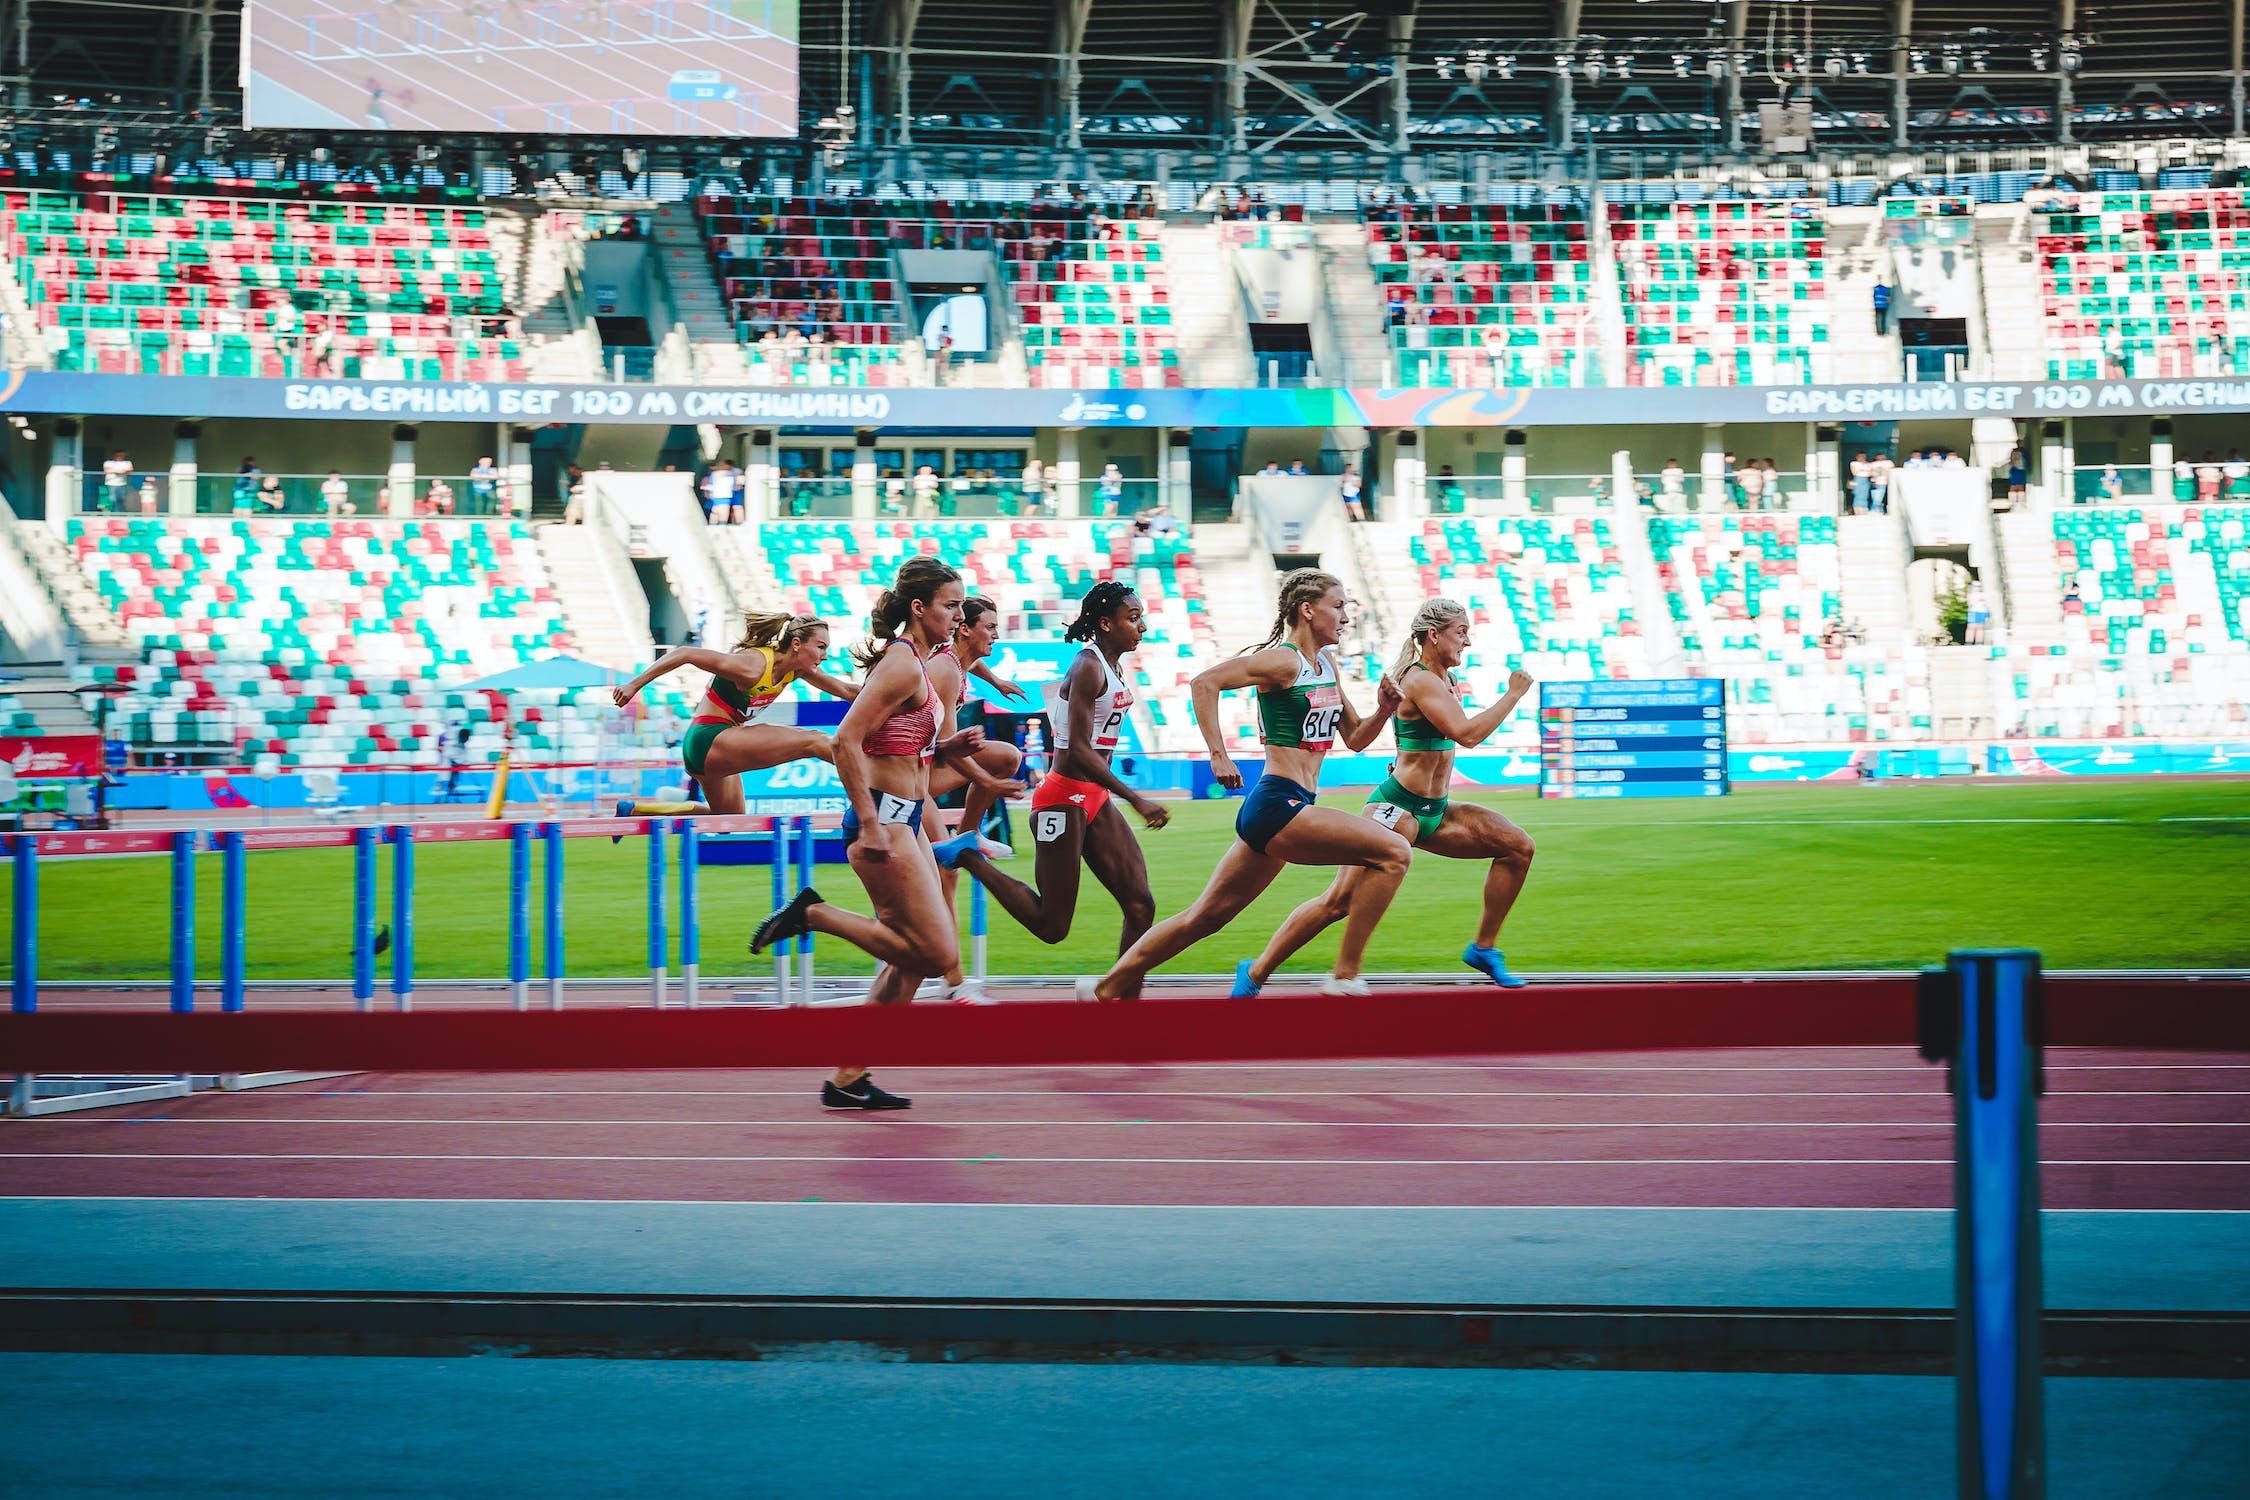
1890 362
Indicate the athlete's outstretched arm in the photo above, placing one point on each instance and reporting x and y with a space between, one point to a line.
1360 730
1079 761
1274 667
999 684
743 669
1445 714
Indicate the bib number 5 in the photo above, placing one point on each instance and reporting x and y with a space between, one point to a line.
1048 824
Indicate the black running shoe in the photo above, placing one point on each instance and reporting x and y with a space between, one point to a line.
786 923
860 1094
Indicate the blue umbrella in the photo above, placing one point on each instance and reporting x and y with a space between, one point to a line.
548 673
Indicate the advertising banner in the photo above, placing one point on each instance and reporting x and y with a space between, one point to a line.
58 755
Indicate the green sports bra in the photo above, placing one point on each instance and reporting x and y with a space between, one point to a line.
1419 733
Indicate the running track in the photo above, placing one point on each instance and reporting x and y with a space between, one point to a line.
1749 1128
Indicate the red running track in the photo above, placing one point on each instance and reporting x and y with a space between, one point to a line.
1749 1127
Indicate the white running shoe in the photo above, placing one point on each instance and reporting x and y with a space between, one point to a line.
1334 986
1085 988
994 850
969 992
930 989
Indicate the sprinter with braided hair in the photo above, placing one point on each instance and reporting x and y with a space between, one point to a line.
1303 712
1074 811
1415 802
726 738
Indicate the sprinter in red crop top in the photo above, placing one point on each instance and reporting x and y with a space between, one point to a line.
1074 813
883 751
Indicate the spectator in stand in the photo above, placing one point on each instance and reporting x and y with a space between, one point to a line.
1882 299
926 486
150 498
246 485
1452 499
1733 474
2019 478
117 478
2207 476
1749 485
440 498
272 499
336 494
2237 472
1672 485
1273 467
1979 613
574 508
1954 460
1348 487
456 757
484 487
2112 485
722 493
1110 489
1034 486
1863 475
1879 482
2183 478
1297 468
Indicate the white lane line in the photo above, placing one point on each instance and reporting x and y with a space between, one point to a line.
809 1123
1242 1094
1914 1070
168 1203
1097 1161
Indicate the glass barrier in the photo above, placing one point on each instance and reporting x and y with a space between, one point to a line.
345 495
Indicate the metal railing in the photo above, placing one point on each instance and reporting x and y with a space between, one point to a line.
815 497
298 495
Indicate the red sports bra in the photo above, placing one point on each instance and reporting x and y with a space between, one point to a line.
911 731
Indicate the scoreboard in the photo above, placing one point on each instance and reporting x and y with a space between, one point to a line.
1666 738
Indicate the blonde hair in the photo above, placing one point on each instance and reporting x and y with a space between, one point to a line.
1298 588
1434 616
776 634
919 579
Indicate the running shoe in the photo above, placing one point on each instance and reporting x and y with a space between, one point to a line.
950 852
994 850
1492 963
1244 986
1084 988
788 922
860 1094
969 992
624 810
1334 986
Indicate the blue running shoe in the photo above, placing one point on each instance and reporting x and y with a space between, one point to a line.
1494 964
1244 986
624 810
949 851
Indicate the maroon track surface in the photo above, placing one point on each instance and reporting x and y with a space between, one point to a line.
1748 1127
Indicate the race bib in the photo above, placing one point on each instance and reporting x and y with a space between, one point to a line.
1048 824
1386 813
890 809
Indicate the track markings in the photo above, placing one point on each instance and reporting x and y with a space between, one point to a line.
1095 1161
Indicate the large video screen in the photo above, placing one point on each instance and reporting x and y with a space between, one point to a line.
523 67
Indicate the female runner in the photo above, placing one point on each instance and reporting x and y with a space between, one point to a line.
725 738
1075 808
1414 801
1301 707
882 753
987 768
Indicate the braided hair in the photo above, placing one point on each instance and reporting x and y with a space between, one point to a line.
1299 588
1101 601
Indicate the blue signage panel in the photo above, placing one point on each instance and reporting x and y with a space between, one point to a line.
1666 738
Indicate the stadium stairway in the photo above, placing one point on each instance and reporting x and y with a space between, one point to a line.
1207 311
2015 341
42 700
601 598
97 633
2027 555
1962 704
1872 554
1355 302
1859 256
687 267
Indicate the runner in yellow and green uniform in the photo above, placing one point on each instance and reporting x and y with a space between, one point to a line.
726 738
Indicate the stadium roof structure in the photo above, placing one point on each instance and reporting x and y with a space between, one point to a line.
1270 84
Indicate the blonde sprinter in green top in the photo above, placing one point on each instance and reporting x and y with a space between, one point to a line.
1302 712
1415 802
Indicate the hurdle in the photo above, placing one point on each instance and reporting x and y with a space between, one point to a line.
791 854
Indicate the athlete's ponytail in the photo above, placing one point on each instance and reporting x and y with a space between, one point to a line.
1431 618
776 633
1101 600
919 579
1302 587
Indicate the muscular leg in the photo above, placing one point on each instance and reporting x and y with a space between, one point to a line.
1306 923
919 935
1241 878
755 747
1473 832
999 760
1045 913
722 794
1115 857
1331 836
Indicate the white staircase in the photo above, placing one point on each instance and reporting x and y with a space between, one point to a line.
1859 257
2015 341
558 347
1961 698
1239 583
601 599
696 296
1207 320
1871 553
94 628
2027 559
1355 304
